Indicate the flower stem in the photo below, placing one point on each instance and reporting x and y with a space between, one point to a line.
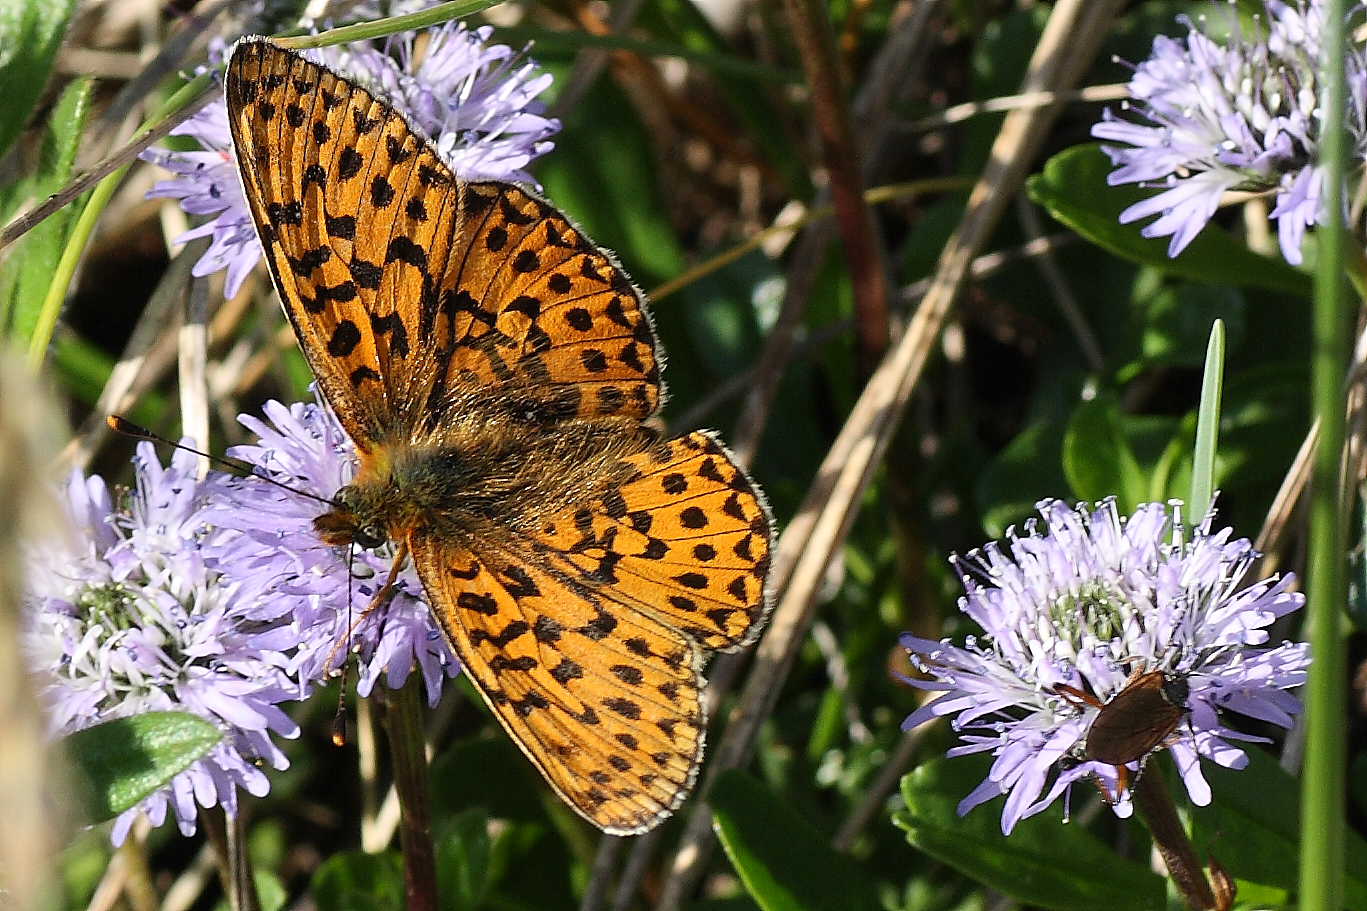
1155 805
408 752
1323 777
816 46
234 864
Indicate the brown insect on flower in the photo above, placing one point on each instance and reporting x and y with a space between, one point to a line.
1134 722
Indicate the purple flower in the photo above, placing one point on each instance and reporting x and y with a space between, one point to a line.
317 590
207 184
127 615
1085 603
1206 118
475 100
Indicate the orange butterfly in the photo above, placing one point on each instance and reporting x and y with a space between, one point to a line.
494 369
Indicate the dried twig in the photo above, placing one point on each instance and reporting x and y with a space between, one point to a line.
875 796
600 876
1063 294
149 351
960 112
194 353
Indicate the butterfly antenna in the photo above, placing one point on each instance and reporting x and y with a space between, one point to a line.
126 427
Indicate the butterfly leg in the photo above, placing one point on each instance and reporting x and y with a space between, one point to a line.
387 591
382 597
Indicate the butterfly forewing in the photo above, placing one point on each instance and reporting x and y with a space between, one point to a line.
605 703
404 283
533 303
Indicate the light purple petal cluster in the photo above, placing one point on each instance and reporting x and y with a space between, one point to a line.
1207 117
475 100
127 615
1085 601
206 184
319 591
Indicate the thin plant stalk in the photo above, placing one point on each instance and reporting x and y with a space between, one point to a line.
1323 778
812 35
408 755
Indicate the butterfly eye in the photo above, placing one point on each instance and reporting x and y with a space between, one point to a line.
371 537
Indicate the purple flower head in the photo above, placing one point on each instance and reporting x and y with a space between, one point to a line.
1207 117
475 100
1085 602
317 590
127 615
207 184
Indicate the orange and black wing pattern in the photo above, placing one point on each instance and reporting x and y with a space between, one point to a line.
606 703
405 284
685 538
414 293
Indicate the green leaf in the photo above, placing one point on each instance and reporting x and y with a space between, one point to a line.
463 852
1252 827
485 772
124 760
1044 861
354 881
1098 458
31 31
1073 188
554 41
1208 425
604 176
783 861
1172 320
30 267
756 105
1020 476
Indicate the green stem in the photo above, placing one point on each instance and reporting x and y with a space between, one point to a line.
1323 779
46 323
85 226
380 28
408 752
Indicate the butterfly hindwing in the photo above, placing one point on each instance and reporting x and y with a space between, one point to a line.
605 702
686 538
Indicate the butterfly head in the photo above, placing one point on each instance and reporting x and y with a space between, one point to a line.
355 518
